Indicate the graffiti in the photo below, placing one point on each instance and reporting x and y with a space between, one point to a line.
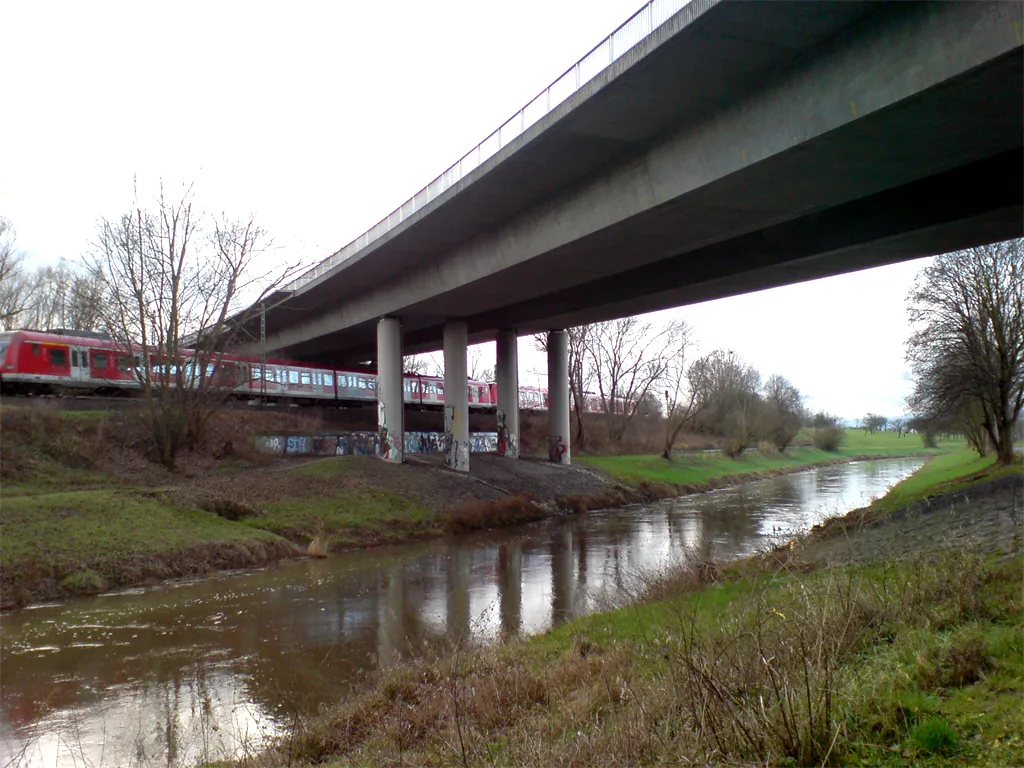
267 444
424 442
367 443
297 445
506 443
558 449
483 442
387 448
357 444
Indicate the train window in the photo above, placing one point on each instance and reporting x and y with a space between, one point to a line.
35 350
362 382
371 383
270 375
58 358
440 389
304 378
99 360
123 363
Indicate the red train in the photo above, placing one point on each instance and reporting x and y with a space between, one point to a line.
38 363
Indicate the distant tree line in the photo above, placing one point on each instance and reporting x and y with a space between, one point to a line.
633 369
45 298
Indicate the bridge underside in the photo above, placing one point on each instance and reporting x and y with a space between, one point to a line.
688 216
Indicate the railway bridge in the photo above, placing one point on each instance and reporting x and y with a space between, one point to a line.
704 149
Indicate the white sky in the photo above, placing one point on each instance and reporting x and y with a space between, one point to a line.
321 118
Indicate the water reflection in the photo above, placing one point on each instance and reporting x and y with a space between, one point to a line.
196 670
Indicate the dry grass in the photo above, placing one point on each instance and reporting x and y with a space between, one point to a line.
480 515
723 674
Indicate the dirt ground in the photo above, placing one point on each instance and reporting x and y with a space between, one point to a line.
422 479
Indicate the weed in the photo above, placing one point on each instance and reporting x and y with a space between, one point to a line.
934 736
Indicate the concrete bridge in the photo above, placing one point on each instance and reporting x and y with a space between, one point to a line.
702 150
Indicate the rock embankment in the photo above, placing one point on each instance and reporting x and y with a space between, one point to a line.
986 518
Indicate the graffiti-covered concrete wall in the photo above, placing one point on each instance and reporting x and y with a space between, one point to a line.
365 443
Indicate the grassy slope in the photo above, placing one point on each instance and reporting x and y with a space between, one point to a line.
906 701
343 515
64 517
696 469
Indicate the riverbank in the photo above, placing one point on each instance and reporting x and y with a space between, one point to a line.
893 636
83 513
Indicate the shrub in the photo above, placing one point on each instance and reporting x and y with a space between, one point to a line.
829 438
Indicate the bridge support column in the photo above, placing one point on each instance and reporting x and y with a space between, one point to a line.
390 394
507 374
456 397
558 397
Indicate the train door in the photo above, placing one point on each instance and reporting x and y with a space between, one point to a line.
79 363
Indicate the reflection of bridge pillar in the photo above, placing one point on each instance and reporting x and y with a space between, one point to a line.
390 631
510 587
558 396
456 397
458 596
563 585
507 374
390 400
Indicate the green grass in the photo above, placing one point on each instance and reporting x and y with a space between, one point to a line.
343 514
702 468
943 474
63 530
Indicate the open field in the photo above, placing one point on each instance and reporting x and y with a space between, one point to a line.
695 469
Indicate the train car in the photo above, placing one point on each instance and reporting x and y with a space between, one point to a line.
280 379
33 362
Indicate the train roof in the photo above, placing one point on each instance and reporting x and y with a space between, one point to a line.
102 341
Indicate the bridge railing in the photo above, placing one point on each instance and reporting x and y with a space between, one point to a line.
626 36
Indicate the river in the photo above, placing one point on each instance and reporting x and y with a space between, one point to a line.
188 671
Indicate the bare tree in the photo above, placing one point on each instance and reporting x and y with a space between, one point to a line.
874 422
967 354
15 285
683 402
423 365
729 389
166 274
475 369
63 297
629 358
783 411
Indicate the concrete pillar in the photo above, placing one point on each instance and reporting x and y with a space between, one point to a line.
456 397
390 396
507 374
558 397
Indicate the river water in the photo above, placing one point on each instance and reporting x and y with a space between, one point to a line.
187 671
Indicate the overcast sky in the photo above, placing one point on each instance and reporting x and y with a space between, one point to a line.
321 118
